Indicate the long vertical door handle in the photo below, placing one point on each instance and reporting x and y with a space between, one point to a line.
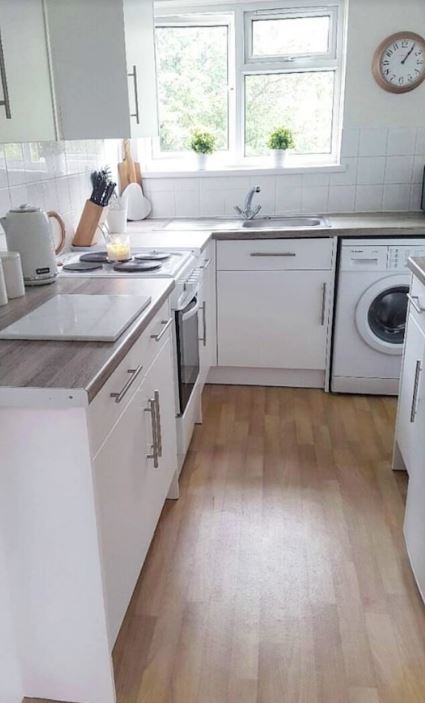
6 100
203 339
136 114
414 408
155 454
158 422
323 313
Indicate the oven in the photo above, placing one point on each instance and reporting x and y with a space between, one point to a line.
187 348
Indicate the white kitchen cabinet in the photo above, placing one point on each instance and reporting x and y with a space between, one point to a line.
273 319
207 316
410 435
26 112
274 309
103 63
133 471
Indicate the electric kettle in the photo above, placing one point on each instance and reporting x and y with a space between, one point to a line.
28 231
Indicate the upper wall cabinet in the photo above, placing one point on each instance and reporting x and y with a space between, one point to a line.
77 70
26 112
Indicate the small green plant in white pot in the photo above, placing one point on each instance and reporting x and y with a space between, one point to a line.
280 140
203 144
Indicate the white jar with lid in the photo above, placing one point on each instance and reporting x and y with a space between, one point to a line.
13 276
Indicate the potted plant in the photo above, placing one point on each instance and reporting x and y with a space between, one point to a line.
280 140
203 144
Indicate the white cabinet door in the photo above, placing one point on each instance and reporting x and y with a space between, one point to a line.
411 426
273 319
140 52
26 105
207 318
409 398
89 65
132 478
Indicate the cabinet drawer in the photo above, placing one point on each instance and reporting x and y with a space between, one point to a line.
417 293
104 411
274 254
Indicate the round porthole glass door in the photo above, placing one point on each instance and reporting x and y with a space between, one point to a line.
387 315
381 314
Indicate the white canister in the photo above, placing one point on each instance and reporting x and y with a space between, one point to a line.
13 276
3 291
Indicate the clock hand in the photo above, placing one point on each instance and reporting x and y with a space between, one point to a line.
407 55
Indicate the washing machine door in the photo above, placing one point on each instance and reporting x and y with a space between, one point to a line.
381 314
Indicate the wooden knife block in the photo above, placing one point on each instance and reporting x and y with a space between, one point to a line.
91 218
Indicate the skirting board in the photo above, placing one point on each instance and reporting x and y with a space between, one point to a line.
294 378
365 386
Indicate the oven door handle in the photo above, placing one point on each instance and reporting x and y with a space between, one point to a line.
191 312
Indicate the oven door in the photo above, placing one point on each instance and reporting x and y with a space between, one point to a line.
187 336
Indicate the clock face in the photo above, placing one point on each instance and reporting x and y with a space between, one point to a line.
399 62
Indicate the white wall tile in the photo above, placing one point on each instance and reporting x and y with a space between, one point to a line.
347 177
401 141
373 142
369 198
212 202
396 197
187 200
163 204
420 141
398 169
350 142
342 198
18 196
288 194
315 179
315 200
415 197
418 169
371 170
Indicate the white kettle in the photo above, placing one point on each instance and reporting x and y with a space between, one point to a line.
28 231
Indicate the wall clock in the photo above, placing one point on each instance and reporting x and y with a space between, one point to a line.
399 62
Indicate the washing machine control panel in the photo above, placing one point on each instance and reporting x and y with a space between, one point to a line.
398 256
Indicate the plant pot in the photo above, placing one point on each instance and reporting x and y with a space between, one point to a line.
201 160
279 156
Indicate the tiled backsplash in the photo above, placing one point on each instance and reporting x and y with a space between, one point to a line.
384 169
50 175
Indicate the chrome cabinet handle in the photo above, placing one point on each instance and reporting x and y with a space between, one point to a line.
159 336
273 253
134 373
158 422
203 339
414 408
6 101
414 299
323 313
155 453
133 74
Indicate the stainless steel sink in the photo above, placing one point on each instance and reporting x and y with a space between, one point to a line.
280 223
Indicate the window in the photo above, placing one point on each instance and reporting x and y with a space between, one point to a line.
241 74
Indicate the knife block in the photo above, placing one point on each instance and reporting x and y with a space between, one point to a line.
91 218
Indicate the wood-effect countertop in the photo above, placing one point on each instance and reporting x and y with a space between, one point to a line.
417 265
74 366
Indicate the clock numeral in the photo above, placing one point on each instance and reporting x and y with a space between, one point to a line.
404 44
401 80
389 53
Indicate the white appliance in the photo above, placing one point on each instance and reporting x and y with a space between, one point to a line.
28 232
164 264
88 318
371 310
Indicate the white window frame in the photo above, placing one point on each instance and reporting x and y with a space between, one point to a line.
242 63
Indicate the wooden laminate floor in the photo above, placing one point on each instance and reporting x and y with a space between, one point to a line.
280 576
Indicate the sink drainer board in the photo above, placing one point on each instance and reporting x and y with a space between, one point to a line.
85 318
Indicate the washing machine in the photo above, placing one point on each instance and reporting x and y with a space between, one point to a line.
370 317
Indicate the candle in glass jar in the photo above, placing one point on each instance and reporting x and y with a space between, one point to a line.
118 250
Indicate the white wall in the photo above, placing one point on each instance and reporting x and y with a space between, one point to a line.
366 104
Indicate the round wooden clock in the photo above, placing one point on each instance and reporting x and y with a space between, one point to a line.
399 62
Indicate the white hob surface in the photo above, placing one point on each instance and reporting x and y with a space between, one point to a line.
174 266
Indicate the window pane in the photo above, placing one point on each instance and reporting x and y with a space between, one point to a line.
301 101
289 37
192 84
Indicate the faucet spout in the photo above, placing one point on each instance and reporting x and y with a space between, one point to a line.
248 212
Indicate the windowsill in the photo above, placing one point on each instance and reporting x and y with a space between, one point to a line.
171 171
